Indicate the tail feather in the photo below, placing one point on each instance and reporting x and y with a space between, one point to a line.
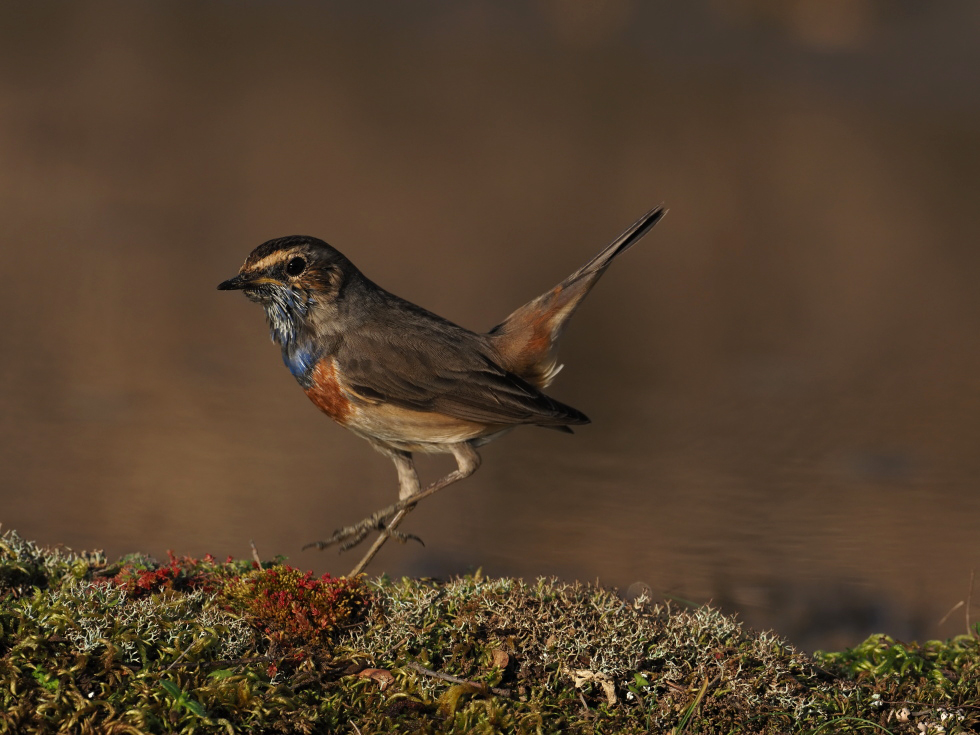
526 341
620 245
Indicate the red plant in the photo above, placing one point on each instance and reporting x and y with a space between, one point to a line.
290 605
180 574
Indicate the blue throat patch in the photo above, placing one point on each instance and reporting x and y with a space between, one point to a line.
286 314
301 359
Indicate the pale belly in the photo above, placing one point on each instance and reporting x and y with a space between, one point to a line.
415 431
393 426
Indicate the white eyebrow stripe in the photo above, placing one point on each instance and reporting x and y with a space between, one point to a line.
268 260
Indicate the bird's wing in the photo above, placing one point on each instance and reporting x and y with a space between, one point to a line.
442 368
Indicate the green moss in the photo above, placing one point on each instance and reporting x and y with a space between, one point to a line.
200 646
25 566
942 675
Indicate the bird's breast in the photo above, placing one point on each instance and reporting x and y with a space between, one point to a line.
325 391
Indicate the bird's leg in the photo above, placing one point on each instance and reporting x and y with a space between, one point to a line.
408 485
467 461
408 478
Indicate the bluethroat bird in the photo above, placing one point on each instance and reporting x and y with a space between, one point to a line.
405 379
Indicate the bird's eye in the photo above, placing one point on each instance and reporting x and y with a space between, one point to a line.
295 266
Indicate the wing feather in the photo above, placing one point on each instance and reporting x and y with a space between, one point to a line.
437 366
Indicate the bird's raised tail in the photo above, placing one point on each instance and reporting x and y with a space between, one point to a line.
527 340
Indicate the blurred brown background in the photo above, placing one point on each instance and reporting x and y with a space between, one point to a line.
784 378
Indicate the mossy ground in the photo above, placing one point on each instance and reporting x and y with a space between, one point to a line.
202 646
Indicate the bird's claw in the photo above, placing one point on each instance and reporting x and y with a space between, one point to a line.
399 536
351 536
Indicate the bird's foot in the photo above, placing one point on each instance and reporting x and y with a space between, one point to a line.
351 536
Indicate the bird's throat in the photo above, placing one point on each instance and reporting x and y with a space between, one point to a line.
287 312
301 359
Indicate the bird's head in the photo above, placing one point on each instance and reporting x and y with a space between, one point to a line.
293 277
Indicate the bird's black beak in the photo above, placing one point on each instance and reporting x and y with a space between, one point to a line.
233 284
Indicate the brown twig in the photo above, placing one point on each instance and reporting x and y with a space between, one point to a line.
456 680
953 609
390 653
926 711
255 553
969 602
229 661
182 654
